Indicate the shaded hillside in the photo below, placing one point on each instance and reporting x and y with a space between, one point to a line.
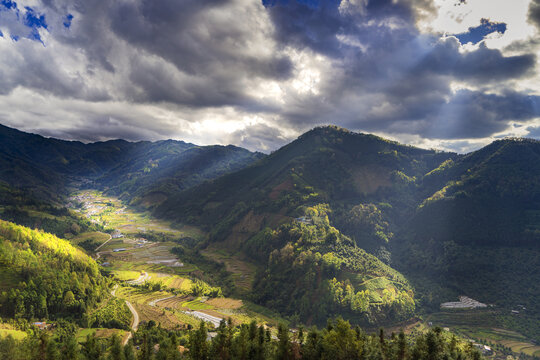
36 173
493 194
478 233
327 164
163 167
333 179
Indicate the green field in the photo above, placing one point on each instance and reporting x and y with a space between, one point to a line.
94 236
124 275
111 213
16 334
99 333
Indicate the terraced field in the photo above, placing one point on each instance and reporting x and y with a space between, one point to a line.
483 325
175 302
225 303
110 212
242 272
140 296
521 347
167 319
134 256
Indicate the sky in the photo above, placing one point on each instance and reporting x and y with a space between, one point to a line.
447 74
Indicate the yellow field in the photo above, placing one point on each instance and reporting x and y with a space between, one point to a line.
517 346
124 275
225 303
168 319
96 236
140 296
172 281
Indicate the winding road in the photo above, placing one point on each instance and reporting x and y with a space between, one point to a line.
98 254
134 323
141 279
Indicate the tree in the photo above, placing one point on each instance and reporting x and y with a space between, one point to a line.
116 351
198 347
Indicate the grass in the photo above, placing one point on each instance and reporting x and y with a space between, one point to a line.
95 236
125 275
15 334
99 333
197 304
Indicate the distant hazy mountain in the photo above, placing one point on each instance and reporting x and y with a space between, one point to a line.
44 166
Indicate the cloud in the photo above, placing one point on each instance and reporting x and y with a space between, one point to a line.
534 12
259 136
257 73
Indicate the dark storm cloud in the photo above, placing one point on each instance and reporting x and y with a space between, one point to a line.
317 24
534 12
371 67
393 79
204 41
472 114
481 65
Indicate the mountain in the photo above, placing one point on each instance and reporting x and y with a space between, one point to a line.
158 169
36 173
477 232
451 224
335 222
285 212
327 164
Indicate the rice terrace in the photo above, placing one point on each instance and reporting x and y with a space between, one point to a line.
137 251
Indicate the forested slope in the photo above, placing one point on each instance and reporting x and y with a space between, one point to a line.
44 277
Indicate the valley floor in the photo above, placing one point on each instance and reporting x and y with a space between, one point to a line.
155 283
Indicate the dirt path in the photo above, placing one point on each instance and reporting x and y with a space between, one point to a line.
154 302
110 238
134 323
